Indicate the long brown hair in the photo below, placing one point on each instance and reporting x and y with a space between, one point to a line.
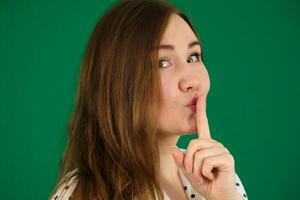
112 131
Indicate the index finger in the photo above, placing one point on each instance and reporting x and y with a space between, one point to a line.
201 118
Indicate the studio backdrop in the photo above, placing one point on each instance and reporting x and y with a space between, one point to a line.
251 51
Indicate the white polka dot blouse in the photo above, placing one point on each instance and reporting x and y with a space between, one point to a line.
64 192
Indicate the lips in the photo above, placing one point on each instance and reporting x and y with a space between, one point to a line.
192 104
193 101
192 108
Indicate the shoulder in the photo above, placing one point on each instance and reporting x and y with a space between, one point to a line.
65 187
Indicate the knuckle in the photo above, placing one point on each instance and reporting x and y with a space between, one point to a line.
207 162
197 144
226 150
204 142
231 158
205 172
193 143
199 155
220 144
215 142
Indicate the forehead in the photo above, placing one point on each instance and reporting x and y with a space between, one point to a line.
177 32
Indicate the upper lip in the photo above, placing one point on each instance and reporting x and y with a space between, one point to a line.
193 101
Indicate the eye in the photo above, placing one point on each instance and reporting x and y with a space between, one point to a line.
197 56
163 63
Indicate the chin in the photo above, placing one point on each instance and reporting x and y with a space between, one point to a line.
190 131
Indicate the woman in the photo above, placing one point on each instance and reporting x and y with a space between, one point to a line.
143 84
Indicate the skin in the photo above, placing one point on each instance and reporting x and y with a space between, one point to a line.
207 164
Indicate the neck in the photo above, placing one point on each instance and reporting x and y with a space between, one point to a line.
168 167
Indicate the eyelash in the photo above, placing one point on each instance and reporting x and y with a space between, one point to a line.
198 55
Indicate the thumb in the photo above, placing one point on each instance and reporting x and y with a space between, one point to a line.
178 156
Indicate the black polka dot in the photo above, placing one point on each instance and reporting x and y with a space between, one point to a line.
237 184
192 195
56 197
184 187
245 195
67 187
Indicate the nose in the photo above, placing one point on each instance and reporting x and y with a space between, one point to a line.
195 81
190 84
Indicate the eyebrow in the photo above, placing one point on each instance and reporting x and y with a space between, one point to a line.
171 47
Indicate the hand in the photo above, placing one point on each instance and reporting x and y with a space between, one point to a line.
207 164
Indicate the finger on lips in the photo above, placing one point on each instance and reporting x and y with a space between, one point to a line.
201 118
202 154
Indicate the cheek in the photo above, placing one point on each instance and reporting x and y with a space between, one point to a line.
167 93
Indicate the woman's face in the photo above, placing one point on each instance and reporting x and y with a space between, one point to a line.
183 75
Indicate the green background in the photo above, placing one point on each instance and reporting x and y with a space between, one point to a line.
252 55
